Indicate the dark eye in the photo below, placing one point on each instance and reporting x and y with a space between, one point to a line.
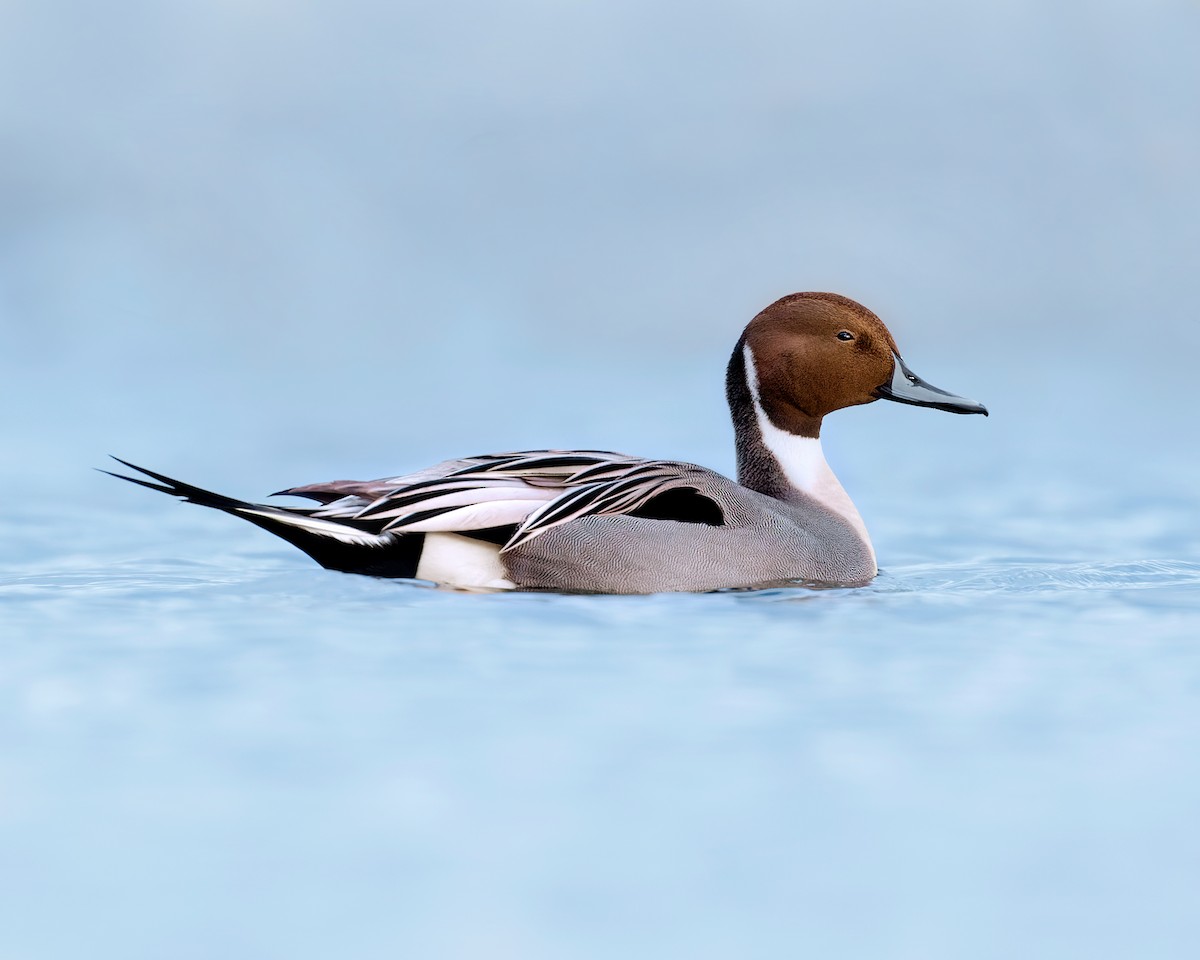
845 335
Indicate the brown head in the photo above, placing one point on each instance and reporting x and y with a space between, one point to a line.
815 353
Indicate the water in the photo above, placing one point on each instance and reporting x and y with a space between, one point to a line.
244 755
546 228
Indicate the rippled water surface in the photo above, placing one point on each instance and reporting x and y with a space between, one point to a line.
254 245
246 755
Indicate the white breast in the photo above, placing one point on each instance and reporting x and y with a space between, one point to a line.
803 461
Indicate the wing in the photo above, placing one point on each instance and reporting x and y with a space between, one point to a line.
530 492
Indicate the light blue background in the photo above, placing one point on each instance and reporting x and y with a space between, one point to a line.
255 244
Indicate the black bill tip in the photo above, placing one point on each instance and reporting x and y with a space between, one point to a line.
906 387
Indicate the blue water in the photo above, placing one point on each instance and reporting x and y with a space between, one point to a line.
255 246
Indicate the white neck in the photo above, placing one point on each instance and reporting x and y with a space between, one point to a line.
803 461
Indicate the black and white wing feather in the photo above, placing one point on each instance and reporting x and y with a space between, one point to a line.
530 492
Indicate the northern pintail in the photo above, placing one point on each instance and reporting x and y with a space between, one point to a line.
602 522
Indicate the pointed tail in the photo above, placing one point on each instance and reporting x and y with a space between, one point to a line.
349 545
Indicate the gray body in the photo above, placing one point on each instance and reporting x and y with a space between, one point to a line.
764 540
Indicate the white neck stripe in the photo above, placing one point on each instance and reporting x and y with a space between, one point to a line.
802 460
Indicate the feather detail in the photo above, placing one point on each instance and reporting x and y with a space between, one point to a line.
600 499
324 528
428 494
476 516
530 491
436 500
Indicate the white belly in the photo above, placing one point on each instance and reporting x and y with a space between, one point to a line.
458 561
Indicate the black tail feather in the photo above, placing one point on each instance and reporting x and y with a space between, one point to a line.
177 488
396 557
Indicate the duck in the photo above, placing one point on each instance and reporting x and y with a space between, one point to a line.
595 521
